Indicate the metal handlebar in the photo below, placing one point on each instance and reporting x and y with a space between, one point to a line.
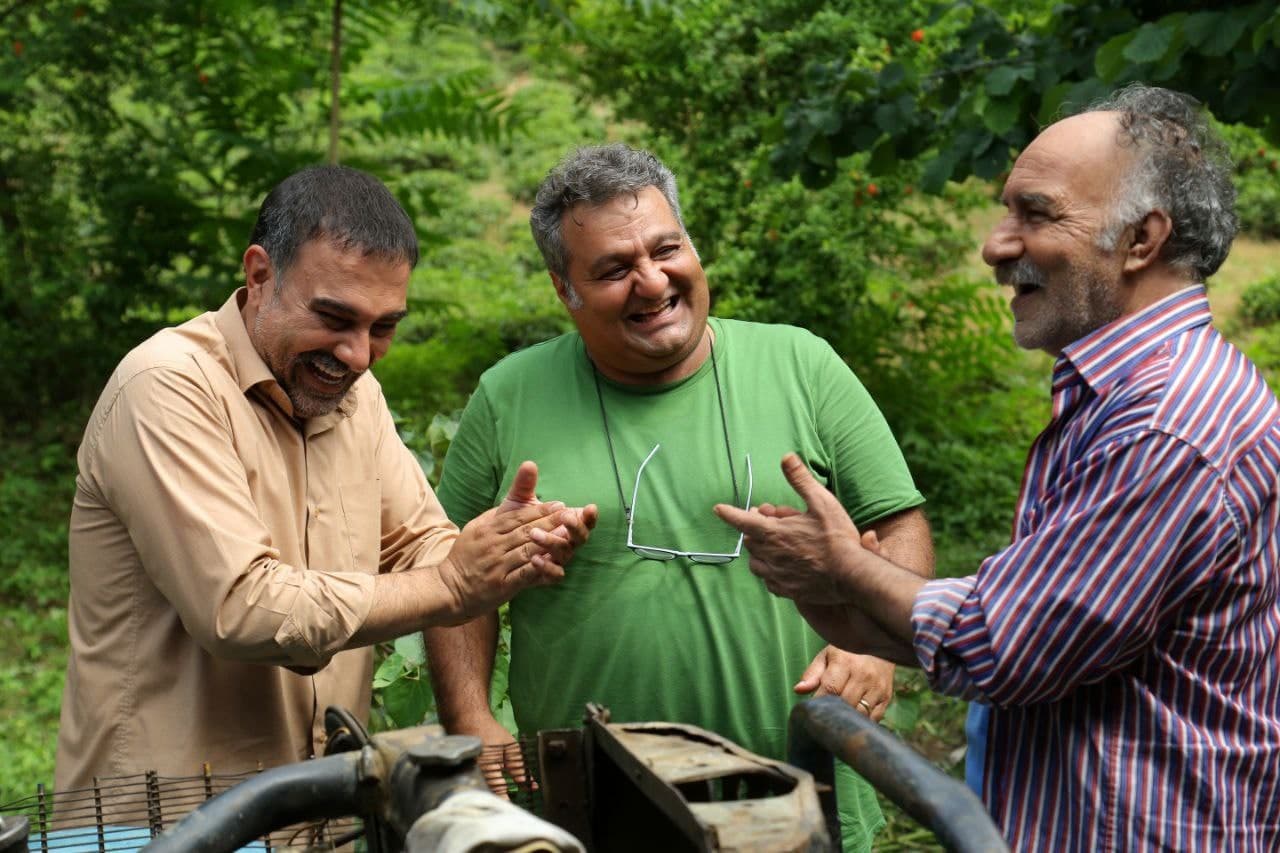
311 790
826 726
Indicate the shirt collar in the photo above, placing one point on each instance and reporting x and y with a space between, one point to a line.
1106 355
250 371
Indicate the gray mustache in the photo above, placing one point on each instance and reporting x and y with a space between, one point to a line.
1021 271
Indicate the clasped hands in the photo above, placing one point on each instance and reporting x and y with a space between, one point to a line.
520 543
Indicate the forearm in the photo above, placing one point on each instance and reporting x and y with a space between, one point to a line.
404 602
883 593
905 540
460 662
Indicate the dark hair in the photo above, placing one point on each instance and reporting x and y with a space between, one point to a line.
594 174
1181 166
351 209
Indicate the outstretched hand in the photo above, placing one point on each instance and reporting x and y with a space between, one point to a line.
520 543
799 555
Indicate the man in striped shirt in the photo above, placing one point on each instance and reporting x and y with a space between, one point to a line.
1121 652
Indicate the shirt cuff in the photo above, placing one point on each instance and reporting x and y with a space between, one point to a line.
327 612
934 615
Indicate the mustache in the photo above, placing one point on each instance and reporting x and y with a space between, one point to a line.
1021 271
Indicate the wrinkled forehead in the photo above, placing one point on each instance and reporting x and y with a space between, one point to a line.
1078 159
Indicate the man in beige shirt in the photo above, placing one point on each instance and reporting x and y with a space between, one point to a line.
246 519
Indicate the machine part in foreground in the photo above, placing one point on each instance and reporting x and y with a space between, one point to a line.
825 727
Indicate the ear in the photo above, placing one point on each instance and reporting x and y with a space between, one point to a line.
561 291
259 274
1147 241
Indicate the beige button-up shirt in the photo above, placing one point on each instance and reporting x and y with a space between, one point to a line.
215 541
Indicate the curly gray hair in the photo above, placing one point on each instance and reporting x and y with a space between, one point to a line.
1182 167
594 174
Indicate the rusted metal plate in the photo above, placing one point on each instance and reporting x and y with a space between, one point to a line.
714 794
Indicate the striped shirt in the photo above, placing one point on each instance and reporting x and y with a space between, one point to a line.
1126 639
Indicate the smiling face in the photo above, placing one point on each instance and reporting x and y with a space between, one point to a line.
642 295
1046 248
334 316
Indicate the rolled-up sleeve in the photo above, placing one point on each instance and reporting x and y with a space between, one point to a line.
163 457
1104 561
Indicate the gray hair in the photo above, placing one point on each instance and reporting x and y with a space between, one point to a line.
349 208
1181 166
592 175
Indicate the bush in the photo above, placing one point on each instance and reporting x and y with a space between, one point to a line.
1260 302
1257 181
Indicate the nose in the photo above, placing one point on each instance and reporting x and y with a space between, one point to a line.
650 280
1003 243
355 351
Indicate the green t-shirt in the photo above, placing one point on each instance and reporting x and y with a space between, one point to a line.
673 641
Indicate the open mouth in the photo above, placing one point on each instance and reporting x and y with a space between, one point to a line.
326 374
643 317
1023 288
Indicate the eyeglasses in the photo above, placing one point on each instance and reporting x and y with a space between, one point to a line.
649 552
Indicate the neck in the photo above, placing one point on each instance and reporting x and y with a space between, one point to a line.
1151 288
686 366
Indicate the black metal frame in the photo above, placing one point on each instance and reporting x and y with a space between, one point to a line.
827 726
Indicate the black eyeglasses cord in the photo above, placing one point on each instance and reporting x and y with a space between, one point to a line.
613 459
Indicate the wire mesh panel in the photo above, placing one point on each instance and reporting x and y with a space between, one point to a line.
123 813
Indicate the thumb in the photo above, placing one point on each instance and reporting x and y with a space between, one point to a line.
812 676
814 494
523 491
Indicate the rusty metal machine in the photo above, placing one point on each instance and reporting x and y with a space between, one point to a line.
604 787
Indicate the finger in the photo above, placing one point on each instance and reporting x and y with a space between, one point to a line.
815 495
524 486
779 511
578 523
513 761
749 522
838 678
871 541
515 523
812 675
538 570
491 764
557 548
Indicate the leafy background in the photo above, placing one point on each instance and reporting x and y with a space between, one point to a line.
838 164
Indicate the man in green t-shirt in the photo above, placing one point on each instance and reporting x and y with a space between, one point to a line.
656 412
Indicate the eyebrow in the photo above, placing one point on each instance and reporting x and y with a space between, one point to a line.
605 261
325 303
1033 199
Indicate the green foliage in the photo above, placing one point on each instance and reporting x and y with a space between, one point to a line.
137 138
36 486
1257 181
1260 302
984 78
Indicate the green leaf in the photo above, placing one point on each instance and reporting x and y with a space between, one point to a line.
1150 43
408 701
938 172
389 671
889 119
992 161
1214 33
1051 104
411 648
1109 61
1000 114
1001 80
892 75
884 158
499 681
903 713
